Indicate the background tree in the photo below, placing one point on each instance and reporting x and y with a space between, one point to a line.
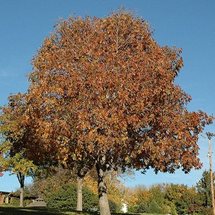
19 134
185 199
47 180
150 200
14 157
17 165
65 198
204 189
103 91
59 190
52 187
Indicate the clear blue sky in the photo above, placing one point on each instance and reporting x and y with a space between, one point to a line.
188 24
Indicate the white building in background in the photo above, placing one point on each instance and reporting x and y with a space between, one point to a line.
124 207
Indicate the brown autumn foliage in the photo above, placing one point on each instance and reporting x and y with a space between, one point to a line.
20 135
102 92
13 132
12 127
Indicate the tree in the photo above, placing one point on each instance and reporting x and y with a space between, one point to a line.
58 190
138 199
21 167
185 199
204 189
150 200
44 183
102 90
65 198
13 157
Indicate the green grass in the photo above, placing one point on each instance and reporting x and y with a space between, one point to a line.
33 211
5 210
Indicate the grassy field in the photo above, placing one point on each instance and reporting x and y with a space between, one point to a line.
34 211
42 211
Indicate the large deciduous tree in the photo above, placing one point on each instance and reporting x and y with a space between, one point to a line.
102 92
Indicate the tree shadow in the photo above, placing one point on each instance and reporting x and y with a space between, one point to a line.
45 211
27 211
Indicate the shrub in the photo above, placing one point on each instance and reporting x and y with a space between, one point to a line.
65 198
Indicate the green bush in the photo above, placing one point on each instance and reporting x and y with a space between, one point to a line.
114 207
134 209
154 207
15 202
66 198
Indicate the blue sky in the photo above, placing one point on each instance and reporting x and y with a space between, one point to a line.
189 25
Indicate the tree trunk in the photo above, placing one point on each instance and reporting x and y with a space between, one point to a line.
21 204
21 179
79 193
102 191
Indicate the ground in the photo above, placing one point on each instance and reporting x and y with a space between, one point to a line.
41 211
33 211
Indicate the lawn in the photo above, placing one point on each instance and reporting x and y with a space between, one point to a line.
45 211
34 211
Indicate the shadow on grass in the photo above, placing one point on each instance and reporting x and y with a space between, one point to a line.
27 211
40 211
44 211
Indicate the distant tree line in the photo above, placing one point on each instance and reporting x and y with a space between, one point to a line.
172 198
175 199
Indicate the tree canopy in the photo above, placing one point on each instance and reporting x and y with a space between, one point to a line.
103 93
104 87
14 156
